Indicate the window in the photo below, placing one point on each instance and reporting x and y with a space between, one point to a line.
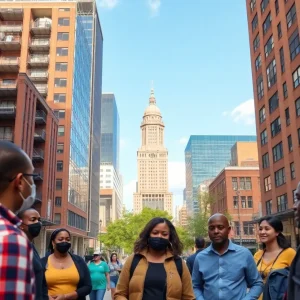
297 104
296 77
61 130
294 44
275 127
267 23
62 51
290 143
60 148
60 82
279 31
271 73
243 202
237 228
235 202
6 133
269 207
60 66
265 160
263 5
291 16
59 166
59 98
264 137
76 221
254 23
256 42
258 62
250 202
58 184
60 113
276 7
273 102
269 46
260 87
262 114
63 21
293 172
268 186
57 201
62 36
248 228
64 9
287 117
245 183
57 218
282 203
234 183
282 60
277 152
252 5
279 177
285 91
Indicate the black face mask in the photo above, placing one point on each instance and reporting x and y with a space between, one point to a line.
63 247
157 243
34 229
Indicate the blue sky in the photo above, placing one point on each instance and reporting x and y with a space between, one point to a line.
197 54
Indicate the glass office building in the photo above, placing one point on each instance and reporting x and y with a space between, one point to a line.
205 157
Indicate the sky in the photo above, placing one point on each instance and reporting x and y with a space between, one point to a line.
197 54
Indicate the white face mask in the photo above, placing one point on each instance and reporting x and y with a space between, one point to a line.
28 202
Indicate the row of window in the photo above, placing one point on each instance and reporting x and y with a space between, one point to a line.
282 204
244 183
246 202
248 228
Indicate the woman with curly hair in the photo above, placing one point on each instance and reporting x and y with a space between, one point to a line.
155 270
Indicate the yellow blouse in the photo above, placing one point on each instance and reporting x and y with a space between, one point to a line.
61 281
284 260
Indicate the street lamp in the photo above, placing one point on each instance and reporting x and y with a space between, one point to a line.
239 215
100 224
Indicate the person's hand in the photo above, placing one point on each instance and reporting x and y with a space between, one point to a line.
52 298
108 287
59 297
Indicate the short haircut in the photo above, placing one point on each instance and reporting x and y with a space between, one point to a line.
13 160
200 242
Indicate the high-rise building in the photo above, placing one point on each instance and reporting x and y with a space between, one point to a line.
205 157
275 60
59 45
182 216
152 163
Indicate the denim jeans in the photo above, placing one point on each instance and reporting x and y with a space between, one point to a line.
97 294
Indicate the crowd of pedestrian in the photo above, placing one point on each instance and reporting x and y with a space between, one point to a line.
155 271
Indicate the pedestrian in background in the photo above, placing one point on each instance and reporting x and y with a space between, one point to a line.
17 192
276 254
115 267
67 275
199 245
99 271
32 225
225 270
155 270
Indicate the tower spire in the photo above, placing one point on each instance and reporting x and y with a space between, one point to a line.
152 99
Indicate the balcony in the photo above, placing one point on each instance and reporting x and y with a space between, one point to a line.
40 117
39 45
39 135
42 89
11 14
40 175
7 110
8 88
38 155
41 27
11 27
10 42
9 64
7 136
38 75
38 61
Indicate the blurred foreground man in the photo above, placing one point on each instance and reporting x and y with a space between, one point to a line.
17 192
224 270
199 245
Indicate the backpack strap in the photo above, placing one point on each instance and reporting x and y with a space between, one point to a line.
134 263
178 263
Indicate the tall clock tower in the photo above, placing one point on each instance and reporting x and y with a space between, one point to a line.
152 161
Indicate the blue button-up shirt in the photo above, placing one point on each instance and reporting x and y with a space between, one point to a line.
226 276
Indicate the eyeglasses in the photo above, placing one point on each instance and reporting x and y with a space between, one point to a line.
25 174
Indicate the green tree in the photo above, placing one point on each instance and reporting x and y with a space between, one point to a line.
185 237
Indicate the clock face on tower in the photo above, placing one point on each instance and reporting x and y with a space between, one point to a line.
152 155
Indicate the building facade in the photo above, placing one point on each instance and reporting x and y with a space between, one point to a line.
182 216
152 164
59 45
205 157
275 61
27 120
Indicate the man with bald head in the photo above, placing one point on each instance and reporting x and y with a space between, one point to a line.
224 271
17 192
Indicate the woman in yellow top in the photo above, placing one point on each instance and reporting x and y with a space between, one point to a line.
276 252
67 275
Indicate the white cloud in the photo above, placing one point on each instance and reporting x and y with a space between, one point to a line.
154 6
243 113
108 3
183 140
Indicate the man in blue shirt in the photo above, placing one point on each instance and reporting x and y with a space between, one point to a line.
199 245
224 271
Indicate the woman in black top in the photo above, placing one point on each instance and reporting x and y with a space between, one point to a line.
31 225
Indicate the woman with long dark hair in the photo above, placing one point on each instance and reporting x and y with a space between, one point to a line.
276 252
115 267
67 275
155 270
